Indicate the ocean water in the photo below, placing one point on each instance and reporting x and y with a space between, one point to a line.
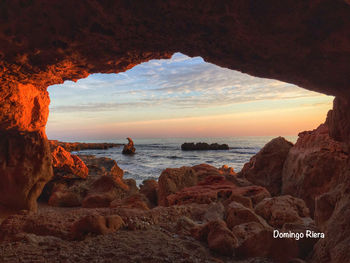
154 155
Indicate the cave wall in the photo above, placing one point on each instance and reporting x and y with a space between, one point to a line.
306 43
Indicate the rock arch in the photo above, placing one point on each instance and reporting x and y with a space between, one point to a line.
44 43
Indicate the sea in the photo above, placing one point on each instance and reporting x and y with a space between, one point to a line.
154 155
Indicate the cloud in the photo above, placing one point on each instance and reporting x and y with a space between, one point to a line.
181 82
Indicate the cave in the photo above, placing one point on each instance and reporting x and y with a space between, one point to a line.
301 42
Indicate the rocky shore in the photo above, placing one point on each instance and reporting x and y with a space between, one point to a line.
78 146
191 214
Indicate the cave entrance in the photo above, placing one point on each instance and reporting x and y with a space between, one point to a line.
163 103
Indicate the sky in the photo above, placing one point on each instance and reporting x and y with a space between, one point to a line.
181 97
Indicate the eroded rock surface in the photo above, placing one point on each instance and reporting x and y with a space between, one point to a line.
68 165
266 167
313 165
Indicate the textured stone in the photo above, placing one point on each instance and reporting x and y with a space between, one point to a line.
237 214
313 166
266 167
103 191
149 188
25 167
174 179
97 225
67 165
282 209
220 239
216 188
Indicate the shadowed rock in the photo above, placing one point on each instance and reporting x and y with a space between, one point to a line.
203 146
314 165
266 167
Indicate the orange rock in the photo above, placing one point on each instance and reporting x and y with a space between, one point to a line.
68 165
174 179
129 148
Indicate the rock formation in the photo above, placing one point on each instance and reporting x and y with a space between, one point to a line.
230 220
129 148
203 146
45 43
44 48
265 168
67 165
313 165
78 146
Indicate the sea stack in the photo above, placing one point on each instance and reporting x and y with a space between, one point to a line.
129 148
203 146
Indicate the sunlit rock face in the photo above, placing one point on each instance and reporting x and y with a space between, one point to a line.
25 160
43 44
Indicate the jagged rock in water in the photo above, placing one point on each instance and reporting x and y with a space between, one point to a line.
129 148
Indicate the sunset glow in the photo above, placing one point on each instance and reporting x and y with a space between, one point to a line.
181 97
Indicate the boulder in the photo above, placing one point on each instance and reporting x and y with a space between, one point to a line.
136 201
266 167
96 225
243 200
174 179
256 240
214 189
282 209
149 188
67 165
237 214
129 148
63 197
103 191
220 239
102 166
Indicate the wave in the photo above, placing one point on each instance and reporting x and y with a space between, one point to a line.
241 152
244 148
